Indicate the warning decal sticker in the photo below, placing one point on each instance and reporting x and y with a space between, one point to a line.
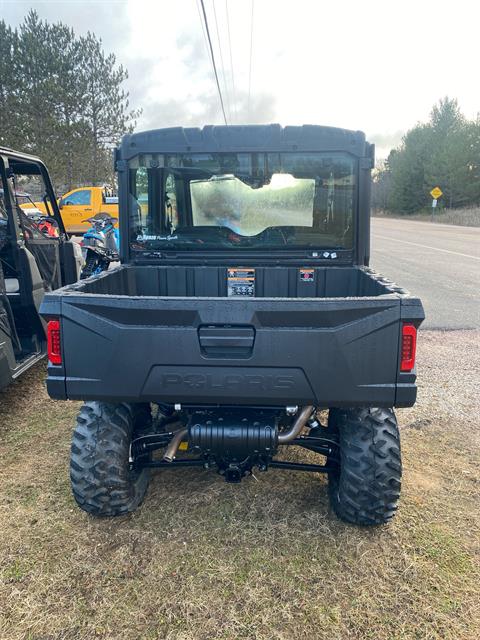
307 275
241 282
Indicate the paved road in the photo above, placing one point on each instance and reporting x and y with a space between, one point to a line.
439 263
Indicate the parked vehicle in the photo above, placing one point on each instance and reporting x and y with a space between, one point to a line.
243 309
36 256
78 205
99 245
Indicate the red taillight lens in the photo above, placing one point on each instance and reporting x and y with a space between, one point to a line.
54 342
409 344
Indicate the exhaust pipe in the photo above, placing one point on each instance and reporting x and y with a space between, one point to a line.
297 426
283 438
171 452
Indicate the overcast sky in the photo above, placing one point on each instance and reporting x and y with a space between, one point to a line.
378 66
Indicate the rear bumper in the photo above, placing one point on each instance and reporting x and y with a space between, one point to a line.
327 352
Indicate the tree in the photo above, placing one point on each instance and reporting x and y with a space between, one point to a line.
50 96
445 151
61 97
382 179
407 167
106 104
8 111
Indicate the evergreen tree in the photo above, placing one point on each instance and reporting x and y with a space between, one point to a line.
444 152
407 167
9 121
61 97
106 104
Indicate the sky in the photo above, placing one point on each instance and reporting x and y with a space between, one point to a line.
377 66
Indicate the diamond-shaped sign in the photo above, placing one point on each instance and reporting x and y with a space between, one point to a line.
436 192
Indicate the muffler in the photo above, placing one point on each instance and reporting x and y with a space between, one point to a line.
235 438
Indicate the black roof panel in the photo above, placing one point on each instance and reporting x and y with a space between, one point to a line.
270 138
20 155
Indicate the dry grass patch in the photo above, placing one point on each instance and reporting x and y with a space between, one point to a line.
202 559
467 217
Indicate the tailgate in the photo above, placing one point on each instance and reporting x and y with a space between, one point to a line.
327 352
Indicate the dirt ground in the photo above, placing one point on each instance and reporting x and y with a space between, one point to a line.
263 560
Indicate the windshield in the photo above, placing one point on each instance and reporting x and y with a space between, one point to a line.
242 201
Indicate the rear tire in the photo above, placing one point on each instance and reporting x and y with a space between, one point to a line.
365 487
103 481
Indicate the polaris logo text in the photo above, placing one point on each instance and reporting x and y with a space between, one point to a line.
230 381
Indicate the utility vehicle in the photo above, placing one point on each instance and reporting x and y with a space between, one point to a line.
36 256
243 319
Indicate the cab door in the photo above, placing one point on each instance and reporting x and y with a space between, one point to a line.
37 252
9 342
76 206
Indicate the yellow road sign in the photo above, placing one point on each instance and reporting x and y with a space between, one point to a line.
436 192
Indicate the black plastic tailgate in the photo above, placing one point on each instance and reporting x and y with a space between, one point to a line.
330 352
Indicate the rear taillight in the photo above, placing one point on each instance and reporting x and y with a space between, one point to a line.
409 344
54 342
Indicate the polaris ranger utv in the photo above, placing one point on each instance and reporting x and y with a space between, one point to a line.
243 310
36 255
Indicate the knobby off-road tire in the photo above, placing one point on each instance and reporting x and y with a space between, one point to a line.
365 487
103 482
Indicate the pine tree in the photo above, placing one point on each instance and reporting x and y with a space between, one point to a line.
444 152
407 167
106 113
9 120
61 97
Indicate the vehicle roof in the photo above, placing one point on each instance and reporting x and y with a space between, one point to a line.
244 138
19 193
6 151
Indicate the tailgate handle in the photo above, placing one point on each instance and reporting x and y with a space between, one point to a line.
216 340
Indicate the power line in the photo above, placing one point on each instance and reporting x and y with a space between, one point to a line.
231 61
213 61
225 88
250 65
203 29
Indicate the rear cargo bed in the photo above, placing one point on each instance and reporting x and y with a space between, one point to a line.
169 334
211 281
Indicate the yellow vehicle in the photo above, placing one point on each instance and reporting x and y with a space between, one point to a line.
77 205
85 202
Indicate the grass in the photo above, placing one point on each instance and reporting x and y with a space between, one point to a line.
467 217
263 560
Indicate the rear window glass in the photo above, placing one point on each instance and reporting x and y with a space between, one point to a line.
242 201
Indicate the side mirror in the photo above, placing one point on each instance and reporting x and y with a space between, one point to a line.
60 203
